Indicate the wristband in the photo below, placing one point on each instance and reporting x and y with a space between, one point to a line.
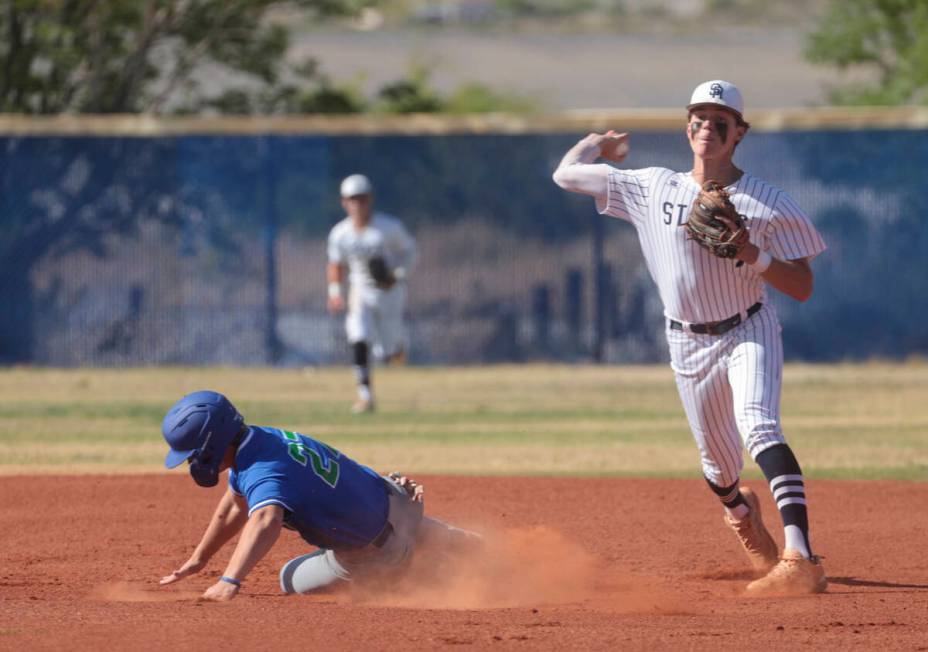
762 263
231 580
335 290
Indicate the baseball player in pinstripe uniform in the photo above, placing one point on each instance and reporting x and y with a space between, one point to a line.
724 337
377 252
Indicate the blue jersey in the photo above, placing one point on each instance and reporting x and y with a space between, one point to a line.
331 500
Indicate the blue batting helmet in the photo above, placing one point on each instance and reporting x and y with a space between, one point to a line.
200 427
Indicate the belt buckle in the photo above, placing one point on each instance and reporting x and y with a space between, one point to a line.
722 327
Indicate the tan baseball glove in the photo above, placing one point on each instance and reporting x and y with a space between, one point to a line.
715 224
413 489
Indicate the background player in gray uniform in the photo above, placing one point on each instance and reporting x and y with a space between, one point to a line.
376 301
364 525
723 334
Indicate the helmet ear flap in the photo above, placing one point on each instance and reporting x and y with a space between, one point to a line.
203 469
205 475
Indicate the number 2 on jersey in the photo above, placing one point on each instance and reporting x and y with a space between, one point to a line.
303 454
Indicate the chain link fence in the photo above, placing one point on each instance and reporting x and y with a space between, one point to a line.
210 248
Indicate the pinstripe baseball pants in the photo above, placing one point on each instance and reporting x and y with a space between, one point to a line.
730 388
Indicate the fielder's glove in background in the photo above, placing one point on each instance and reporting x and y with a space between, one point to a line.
715 224
382 275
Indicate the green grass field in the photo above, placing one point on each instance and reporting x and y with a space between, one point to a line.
847 421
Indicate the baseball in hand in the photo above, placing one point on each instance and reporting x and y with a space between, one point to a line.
614 146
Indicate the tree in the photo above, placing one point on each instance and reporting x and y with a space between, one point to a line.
886 37
142 56
122 56
150 56
410 95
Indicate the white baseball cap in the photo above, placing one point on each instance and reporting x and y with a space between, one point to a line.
356 184
720 93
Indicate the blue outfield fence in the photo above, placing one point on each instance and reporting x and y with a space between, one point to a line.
210 249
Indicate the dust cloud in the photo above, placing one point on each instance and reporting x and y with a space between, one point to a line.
515 568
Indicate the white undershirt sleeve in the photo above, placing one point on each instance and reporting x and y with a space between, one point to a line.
578 173
584 178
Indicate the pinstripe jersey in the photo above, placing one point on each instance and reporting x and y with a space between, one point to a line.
696 286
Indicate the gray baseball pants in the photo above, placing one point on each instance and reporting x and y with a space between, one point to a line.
315 570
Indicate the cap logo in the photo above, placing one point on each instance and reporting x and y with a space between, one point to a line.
715 90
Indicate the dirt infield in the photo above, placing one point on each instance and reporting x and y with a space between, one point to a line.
597 563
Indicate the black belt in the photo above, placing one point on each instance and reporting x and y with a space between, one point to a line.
381 538
715 327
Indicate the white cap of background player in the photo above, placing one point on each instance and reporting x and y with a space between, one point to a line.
356 184
720 93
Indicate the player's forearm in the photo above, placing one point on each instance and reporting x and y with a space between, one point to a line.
258 537
577 173
404 263
334 273
226 522
793 278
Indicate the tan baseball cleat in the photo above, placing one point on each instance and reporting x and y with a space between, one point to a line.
794 575
362 406
754 537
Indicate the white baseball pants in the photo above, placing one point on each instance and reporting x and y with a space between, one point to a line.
730 388
376 316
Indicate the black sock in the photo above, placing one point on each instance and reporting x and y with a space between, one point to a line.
786 482
359 358
730 496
